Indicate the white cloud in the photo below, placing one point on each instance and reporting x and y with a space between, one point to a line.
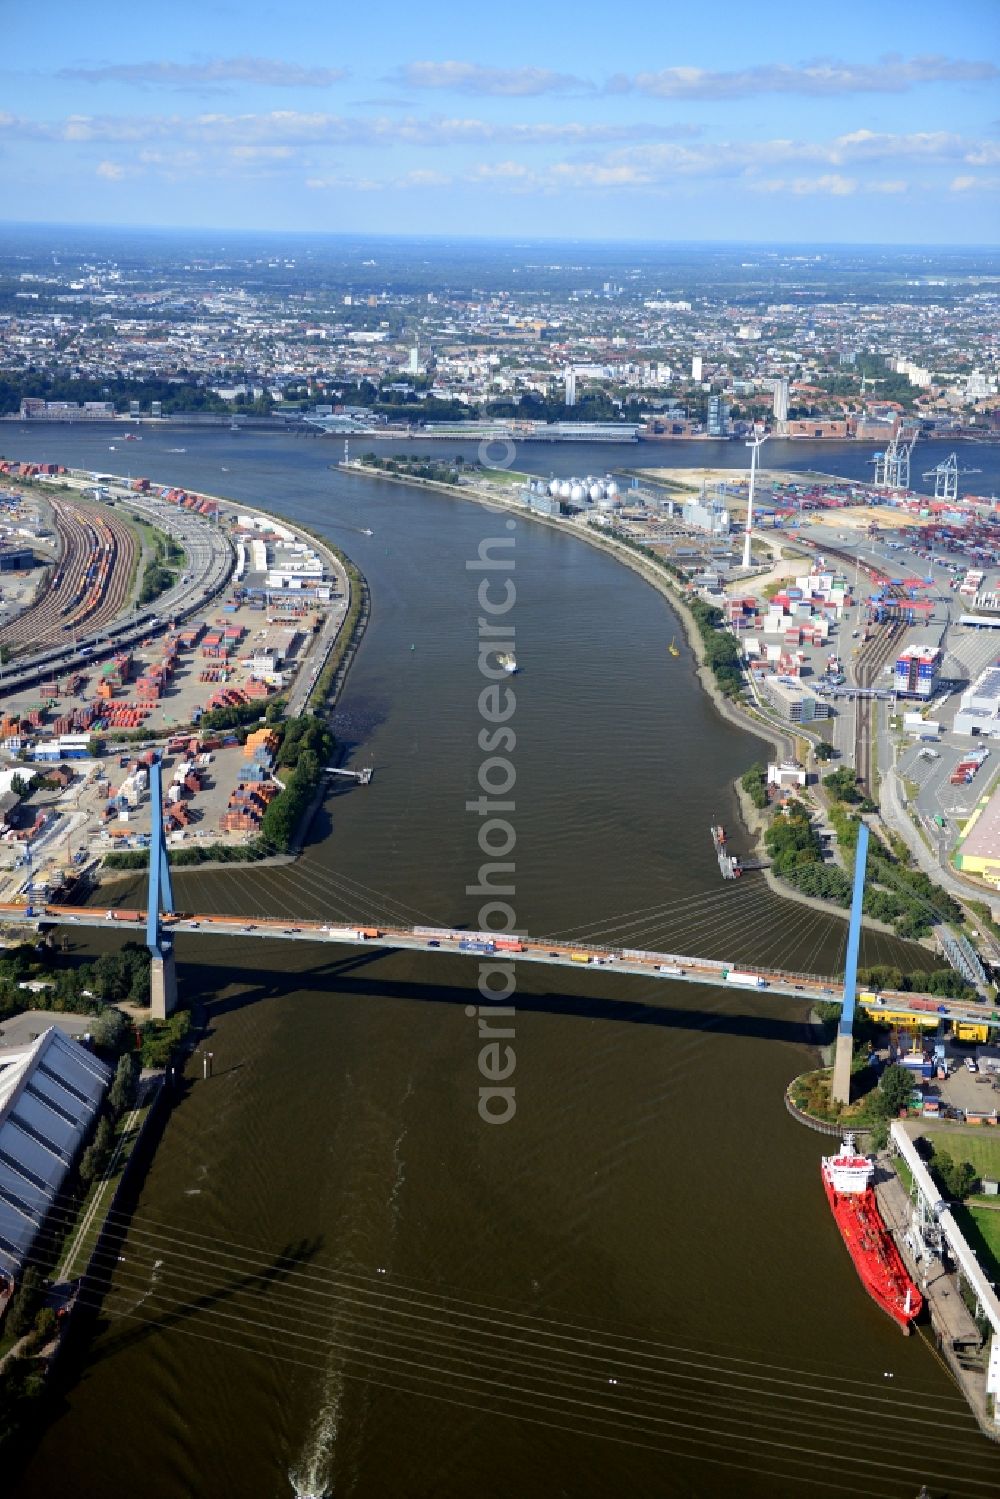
832 185
474 78
972 184
266 71
344 182
890 75
262 153
111 171
296 127
829 185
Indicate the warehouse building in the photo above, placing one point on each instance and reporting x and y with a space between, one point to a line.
979 706
50 1093
979 853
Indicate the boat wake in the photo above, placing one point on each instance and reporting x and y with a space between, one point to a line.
313 1478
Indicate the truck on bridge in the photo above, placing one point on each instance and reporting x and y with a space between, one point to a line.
744 980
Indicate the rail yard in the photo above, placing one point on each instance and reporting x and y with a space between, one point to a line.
90 583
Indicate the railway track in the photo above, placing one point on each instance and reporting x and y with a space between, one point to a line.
873 657
89 586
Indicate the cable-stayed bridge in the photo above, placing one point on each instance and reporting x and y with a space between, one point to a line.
161 923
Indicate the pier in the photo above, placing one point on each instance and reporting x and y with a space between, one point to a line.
362 777
729 864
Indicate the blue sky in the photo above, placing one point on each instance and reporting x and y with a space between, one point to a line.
854 122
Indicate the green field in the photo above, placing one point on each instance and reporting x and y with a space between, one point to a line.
981 1147
981 1227
502 476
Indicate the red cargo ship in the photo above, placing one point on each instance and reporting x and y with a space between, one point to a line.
847 1178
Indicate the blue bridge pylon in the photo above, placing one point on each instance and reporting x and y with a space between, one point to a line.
159 903
844 1055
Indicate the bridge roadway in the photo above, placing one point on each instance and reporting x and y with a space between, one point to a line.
675 967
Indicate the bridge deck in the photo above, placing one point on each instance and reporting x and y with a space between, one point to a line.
674 967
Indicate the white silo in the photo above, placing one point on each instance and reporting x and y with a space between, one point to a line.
596 493
564 489
577 493
553 487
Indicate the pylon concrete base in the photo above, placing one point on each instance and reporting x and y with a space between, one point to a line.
840 1090
162 986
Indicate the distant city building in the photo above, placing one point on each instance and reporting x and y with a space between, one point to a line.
34 410
978 386
696 367
915 373
810 426
570 381
717 423
413 363
780 406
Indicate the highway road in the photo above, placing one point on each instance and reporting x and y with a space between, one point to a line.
675 967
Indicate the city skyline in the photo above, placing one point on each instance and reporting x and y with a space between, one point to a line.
676 131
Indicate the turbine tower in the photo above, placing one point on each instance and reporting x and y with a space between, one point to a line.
755 444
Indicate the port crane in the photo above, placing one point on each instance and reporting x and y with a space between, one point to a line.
945 476
892 468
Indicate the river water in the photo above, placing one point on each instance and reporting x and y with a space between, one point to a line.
340 1280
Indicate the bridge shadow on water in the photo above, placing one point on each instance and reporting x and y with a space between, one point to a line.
346 979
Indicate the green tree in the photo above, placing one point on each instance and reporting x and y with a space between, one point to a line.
958 1178
122 1088
24 1307
109 1031
843 784
823 751
754 783
88 1167
894 1091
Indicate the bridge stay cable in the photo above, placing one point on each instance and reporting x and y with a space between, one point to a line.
511 1321
289 1335
493 1410
229 1322
674 1384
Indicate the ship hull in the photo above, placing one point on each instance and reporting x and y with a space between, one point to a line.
876 1259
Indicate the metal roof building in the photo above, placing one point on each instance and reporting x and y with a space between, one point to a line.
50 1093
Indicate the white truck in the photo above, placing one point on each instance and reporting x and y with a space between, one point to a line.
745 980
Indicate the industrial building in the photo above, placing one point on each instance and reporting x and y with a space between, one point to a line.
979 706
794 701
707 515
916 671
50 1093
15 559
